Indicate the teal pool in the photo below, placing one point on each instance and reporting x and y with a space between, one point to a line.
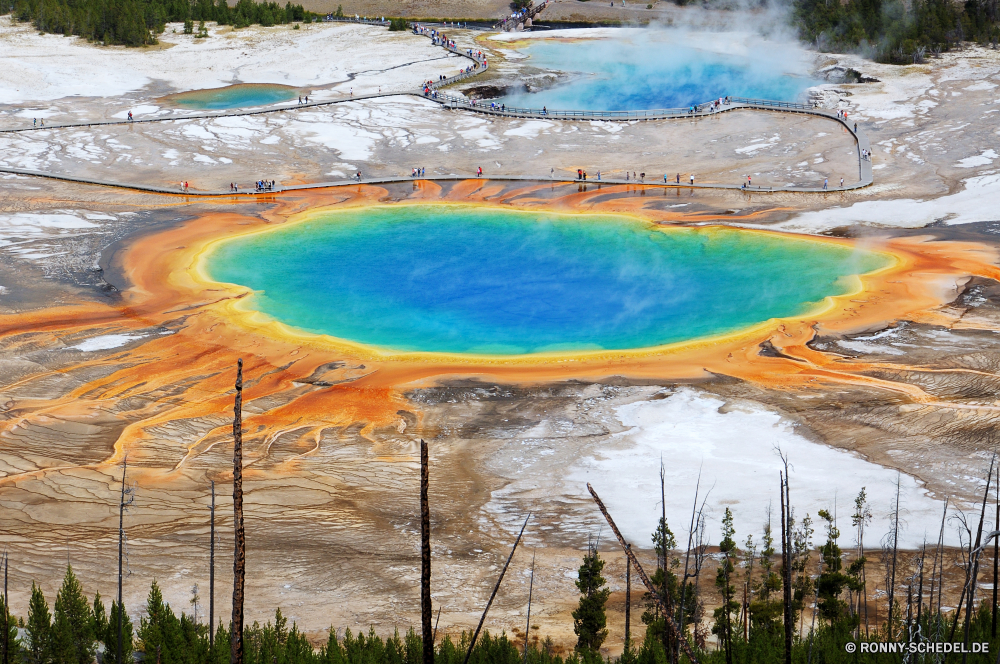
234 96
463 279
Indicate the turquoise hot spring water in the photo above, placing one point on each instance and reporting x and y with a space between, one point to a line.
479 280
235 96
642 69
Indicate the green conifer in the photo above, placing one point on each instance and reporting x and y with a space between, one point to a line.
38 629
110 637
72 630
723 626
589 619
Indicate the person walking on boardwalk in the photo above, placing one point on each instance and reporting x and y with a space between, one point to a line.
479 172
841 183
678 178
130 116
826 181
692 179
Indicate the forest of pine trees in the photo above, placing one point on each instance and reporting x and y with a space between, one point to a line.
896 31
137 22
832 606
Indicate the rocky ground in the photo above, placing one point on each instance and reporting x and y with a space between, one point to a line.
335 542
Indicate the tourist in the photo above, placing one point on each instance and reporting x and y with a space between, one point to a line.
692 179
545 111
855 127
479 172
841 183
130 116
579 174
678 178
34 122
598 176
826 181
626 176
300 99
749 181
642 177
359 176
664 178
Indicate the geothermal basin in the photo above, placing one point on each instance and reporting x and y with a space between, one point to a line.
491 281
613 70
233 96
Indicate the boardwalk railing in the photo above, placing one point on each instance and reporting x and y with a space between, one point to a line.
697 110
352 19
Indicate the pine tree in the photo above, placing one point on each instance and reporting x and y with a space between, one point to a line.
765 613
100 619
666 583
72 630
590 619
38 629
110 637
13 645
723 626
832 581
160 631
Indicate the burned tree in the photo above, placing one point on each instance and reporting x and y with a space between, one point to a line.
239 556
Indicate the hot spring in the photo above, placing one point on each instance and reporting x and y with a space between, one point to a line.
639 69
234 96
463 279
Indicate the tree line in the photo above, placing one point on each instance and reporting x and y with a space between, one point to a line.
137 22
779 598
896 31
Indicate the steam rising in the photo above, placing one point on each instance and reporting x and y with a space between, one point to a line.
665 67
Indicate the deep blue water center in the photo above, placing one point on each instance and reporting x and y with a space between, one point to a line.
493 281
653 69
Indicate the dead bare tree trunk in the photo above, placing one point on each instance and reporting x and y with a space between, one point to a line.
211 576
895 551
628 601
970 605
121 543
920 585
239 557
664 602
527 627
786 571
6 613
668 648
996 550
493 595
687 557
425 556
